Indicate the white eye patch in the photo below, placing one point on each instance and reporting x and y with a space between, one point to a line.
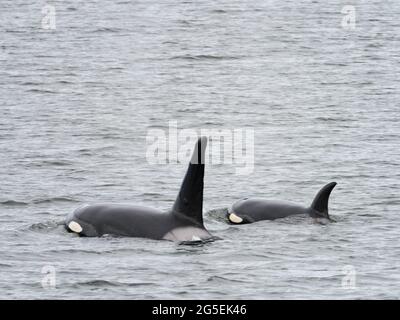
75 227
235 219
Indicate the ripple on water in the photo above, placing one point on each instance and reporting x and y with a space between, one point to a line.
13 203
105 283
54 200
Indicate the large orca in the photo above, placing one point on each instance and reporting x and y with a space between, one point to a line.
250 210
184 222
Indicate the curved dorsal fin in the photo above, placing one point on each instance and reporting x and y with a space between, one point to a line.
189 202
320 203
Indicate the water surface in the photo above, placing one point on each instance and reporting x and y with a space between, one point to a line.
78 101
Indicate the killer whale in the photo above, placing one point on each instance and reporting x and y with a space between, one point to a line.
251 210
184 222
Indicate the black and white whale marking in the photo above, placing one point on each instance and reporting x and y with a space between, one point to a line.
250 210
184 222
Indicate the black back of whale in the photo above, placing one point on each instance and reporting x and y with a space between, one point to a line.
257 209
184 222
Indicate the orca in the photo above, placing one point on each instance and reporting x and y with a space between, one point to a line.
183 223
251 210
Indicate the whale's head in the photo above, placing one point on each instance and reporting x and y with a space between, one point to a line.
234 218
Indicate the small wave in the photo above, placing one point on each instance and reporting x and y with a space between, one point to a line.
46 226
223 279
170 42
98 283
5 265
106 185
115 68
13 203
106 283
41 91
370 215
189 110
107 30
55 199
218 214
58 163
72 251
204 57
213 123
31 83
152 194
185 22
64 82
218 11
388 202
43 213
331 119
199 242
14 31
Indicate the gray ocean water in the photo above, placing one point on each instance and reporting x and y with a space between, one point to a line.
77 102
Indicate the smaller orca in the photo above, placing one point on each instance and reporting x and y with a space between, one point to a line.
183 223
250 210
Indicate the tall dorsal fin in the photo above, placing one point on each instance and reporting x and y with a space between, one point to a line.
189 202
320 203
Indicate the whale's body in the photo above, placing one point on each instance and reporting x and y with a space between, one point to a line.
184 222
136 221
250 210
